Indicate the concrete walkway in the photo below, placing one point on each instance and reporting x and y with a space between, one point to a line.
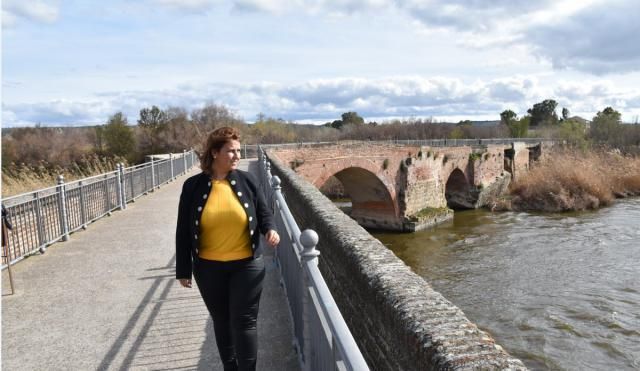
107 299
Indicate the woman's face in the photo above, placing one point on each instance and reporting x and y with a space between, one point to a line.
228 157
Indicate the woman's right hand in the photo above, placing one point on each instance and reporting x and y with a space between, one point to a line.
185 282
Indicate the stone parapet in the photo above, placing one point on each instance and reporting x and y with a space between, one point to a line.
397 319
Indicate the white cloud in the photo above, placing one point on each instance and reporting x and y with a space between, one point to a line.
326 99
599 39
470 15
270 6
462 15
593 36
511 90
189 6
36 11
484 53
8 19
592 96
330 7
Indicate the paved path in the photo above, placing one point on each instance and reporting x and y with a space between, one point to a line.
107 300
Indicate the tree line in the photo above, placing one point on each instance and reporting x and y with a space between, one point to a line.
605 128
174 129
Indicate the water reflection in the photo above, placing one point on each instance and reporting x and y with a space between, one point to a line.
558 291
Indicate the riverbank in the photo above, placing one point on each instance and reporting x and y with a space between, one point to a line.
573 181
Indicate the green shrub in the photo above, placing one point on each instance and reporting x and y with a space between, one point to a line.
474 156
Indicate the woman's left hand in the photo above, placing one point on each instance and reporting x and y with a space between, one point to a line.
273 239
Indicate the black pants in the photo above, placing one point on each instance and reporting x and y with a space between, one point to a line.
231 291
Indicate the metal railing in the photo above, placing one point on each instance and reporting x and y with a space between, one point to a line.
469 142
321 336
48 215
415 142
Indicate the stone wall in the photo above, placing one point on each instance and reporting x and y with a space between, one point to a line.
427 186
397 319
428 173
489 166
520 159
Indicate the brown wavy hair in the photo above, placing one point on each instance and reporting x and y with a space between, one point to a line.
215 141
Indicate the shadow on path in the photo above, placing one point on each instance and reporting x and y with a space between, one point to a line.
108 300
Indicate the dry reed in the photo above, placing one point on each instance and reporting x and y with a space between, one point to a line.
22 178
574 181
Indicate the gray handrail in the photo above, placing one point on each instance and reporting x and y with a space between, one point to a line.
323 340
250 149
417 142
48 215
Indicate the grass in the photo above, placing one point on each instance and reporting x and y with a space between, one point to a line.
22 178
574 181
475 156
428 212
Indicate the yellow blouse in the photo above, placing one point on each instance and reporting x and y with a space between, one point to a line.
224 226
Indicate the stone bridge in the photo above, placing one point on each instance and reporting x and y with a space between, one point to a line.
397 319
407 188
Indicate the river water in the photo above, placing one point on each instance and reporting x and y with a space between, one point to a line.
558 291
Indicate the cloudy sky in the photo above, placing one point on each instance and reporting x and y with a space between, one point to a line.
77 62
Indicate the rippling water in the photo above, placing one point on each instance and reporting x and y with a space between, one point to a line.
560 291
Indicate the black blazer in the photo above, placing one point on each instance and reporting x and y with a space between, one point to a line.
193 198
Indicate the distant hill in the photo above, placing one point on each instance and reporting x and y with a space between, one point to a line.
580 120
478 123
486 123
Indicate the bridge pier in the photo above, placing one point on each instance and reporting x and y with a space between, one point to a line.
374 219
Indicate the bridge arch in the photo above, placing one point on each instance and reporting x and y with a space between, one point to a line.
458 191
366 190
373 198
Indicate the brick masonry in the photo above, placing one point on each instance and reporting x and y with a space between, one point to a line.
390 184
397 319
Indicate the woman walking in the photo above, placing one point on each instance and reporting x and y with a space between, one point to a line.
221 215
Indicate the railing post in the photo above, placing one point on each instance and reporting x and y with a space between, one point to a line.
262 173
184 157
122 197
83 206
62 209
40 224
133 190
275 182
107 196
145 175
268 171
262 169
153 176
309 256
171 162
